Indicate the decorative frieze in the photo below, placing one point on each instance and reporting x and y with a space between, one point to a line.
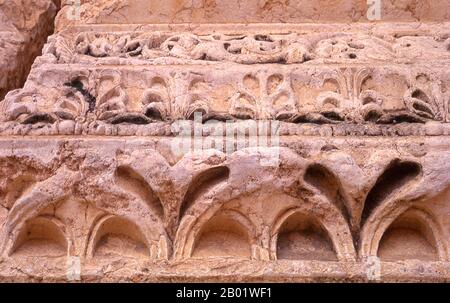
231 149
73 193
294 94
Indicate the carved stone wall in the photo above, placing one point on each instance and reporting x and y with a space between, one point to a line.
97 184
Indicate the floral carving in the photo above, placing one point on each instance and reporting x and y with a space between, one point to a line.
263 96
177 97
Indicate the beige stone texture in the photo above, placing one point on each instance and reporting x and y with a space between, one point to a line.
97 182
24 27
249 11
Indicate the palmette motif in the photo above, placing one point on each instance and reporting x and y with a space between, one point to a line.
248 151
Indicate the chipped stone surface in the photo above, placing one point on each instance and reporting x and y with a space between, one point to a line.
120 157
24 27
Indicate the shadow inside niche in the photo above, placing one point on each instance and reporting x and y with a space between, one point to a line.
202 183
118 237
408 238
328 184
301 237
222 236
40 237
396 176
133 182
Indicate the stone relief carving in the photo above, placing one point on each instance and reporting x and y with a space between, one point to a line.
100 181
177 97
176 218
174 214
416 94
243 49
87 95
307 95
158 47
263 96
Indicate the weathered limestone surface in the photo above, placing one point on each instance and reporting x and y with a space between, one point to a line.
24 28
353 184
249 11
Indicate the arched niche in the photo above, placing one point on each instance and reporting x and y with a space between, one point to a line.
301 236
115 236
133 182
226 234
41 237
410 236
201 184
266 210
328 184
396 176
